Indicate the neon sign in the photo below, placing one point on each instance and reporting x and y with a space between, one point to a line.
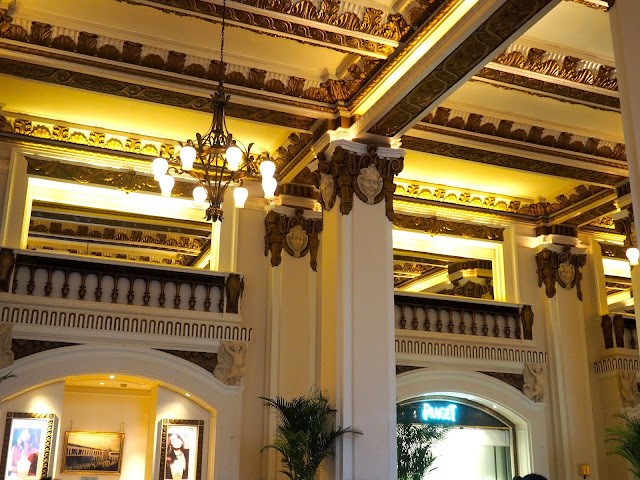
445 414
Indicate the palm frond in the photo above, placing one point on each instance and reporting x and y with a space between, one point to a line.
7 376
626 442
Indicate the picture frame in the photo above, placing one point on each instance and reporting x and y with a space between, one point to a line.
181 449
96 453
26 445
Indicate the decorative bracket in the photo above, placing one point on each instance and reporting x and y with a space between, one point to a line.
561 267
297 235
230 368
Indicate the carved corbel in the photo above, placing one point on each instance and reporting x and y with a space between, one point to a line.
561 267
6 354
628 388
368 176
534 375
298 236
526 316
230 368
7 264
234 286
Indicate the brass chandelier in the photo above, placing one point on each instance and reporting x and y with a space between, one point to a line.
220 160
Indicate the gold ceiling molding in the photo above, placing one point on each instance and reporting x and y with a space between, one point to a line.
593 214
130 55
539 136
79 136
509 161
603 222
509 17
602 6
436 226
213 13
285 154
560 267
149 94
560 66
296 234
541 88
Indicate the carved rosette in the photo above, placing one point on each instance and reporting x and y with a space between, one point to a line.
367 175
297 235
230 368
561 267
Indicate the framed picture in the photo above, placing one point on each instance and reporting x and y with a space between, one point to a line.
181 450
92 452
26 445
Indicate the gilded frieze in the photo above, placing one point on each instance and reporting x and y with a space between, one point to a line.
297 235
295 144
601 6
436 226
509 161
560 267
536 135
512 15
592 214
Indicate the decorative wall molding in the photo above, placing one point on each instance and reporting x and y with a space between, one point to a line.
534 381
206 360
616 363
436 226
561 267
601 5
507 19
23 348
510 161
516 380
230 368
298 236
405 368
628 389
367 175
6 354
295 144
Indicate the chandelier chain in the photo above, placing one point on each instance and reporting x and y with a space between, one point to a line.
221 72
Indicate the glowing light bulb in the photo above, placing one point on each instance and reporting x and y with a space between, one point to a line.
200 195
269 186
240 195
160 167
267 169
187 157
633 254
166 185
234 157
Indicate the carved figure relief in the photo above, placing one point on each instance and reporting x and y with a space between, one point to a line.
369 176
628 388
563 268
230 368
534 378
297 235
6 354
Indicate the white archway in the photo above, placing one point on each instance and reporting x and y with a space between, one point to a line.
47 367
528 417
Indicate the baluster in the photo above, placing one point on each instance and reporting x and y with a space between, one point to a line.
507 327
176 299
48 287
82 291
414 323
115 292
451 325
403 320
147 293
427 321
463 325
633 341
65 285
474 326
98 293
32 284
130 293
518 329
496 325
221 288
485 326
207 300
192 300
439 322
162 297
14 287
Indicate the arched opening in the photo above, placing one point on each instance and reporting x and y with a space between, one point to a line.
494 419
151 397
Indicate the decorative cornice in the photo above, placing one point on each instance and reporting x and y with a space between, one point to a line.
509 161
529 134
592 214
295 144
149 94
534 86
368 175
601 5
561 66
465 58
605 222
436 226
561 267
297 235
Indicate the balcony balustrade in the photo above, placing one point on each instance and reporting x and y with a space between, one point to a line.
619 331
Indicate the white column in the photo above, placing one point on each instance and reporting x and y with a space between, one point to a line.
357 339
14 228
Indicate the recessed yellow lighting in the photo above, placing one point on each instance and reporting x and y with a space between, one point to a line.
187 395
112 377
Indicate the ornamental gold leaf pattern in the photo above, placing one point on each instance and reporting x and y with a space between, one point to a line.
437 226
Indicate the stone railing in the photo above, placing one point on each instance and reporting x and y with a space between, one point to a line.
471 317
619 331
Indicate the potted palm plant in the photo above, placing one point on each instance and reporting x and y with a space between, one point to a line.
415 457
305 434
626 442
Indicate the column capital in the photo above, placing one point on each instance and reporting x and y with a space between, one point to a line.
294 229
561 264
348 167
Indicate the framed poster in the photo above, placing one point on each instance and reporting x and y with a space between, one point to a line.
26 445
92 452
181 450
